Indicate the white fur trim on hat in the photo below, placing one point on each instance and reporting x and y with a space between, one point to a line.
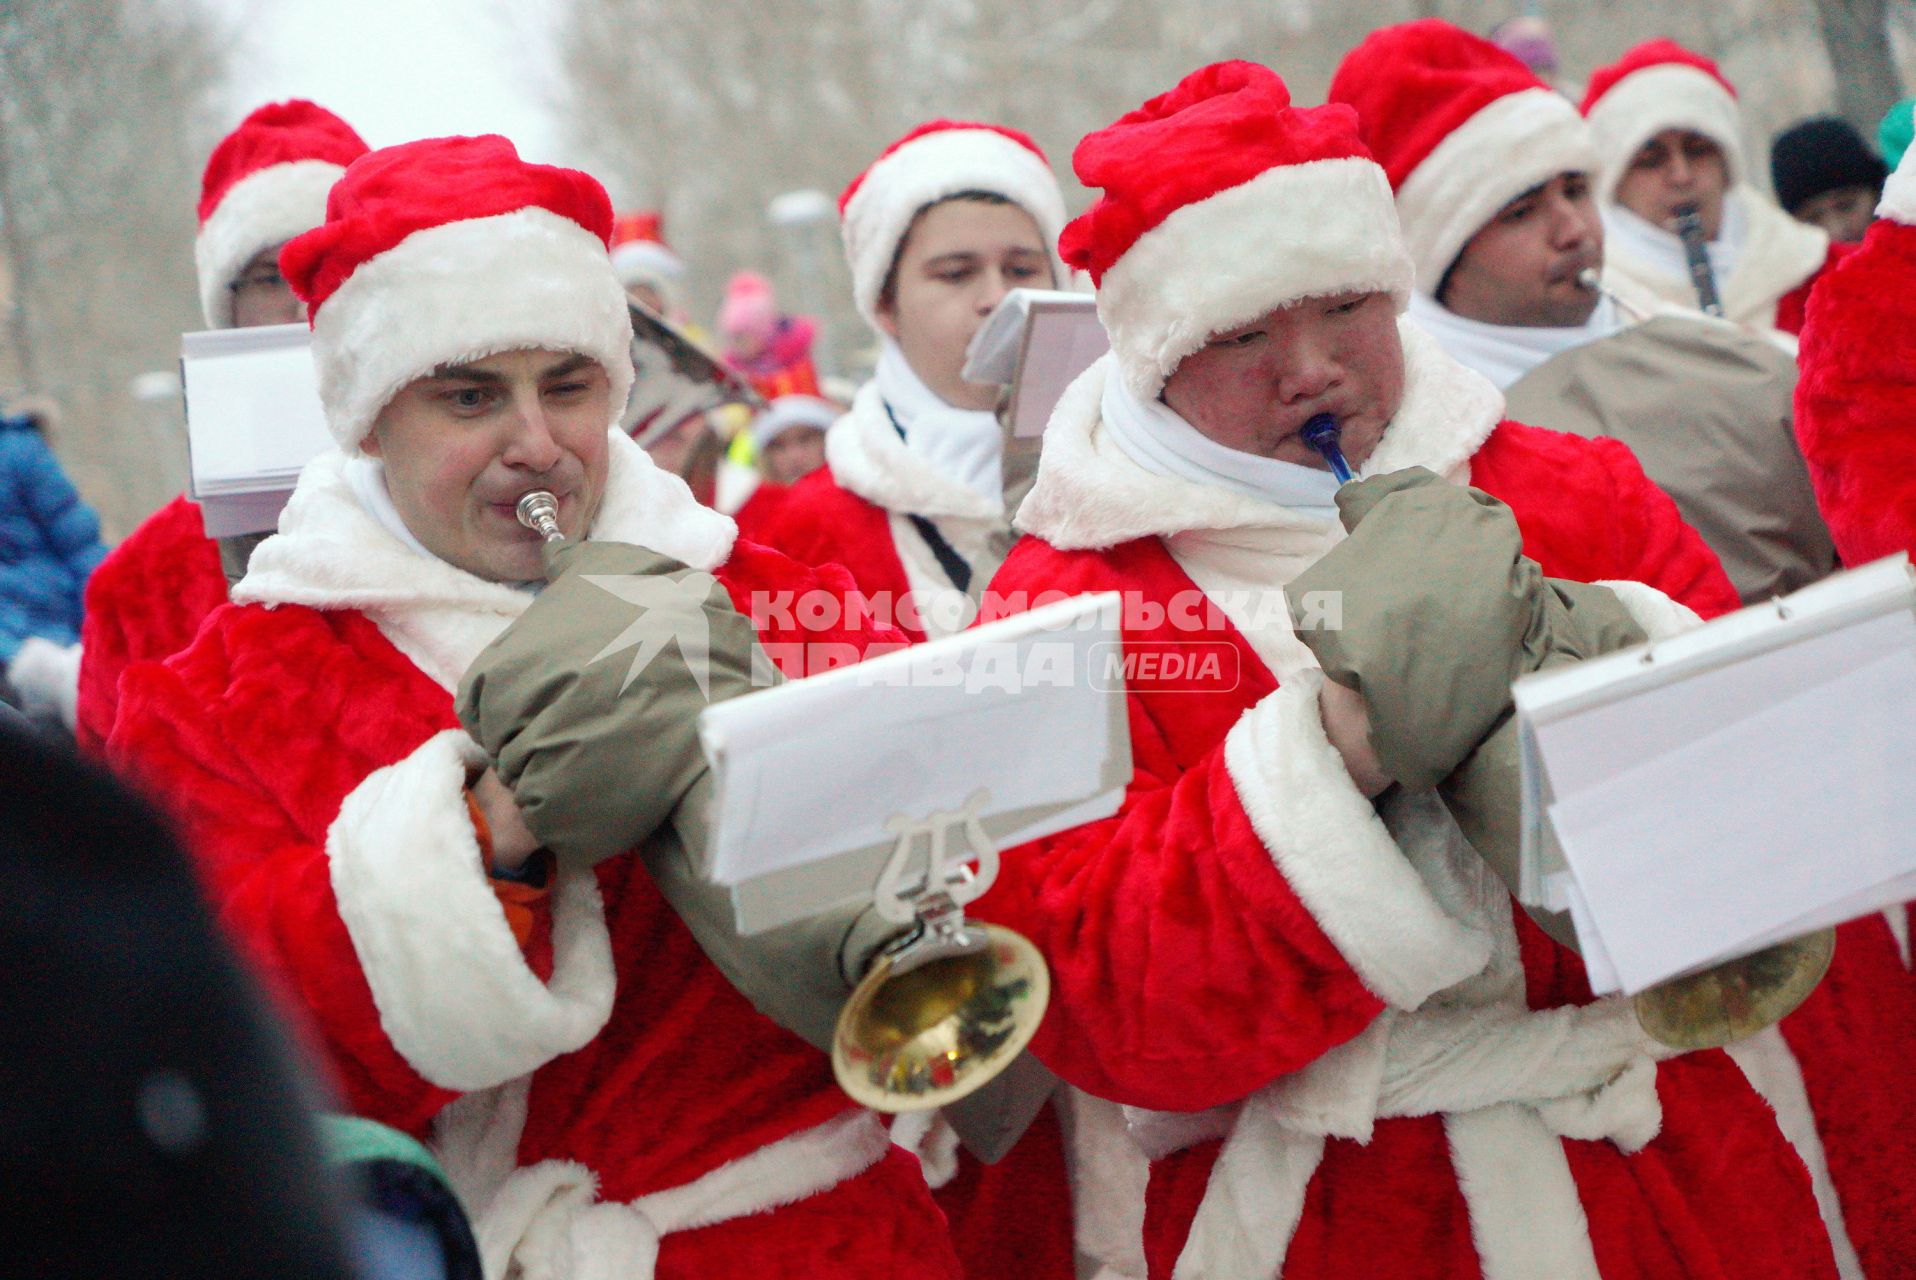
646 262
1518 142
529 279
1295 231
260 210
1671 95
928 169
788 412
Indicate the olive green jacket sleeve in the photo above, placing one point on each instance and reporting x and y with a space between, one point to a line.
1440 613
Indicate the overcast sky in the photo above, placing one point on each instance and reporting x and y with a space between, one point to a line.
401 69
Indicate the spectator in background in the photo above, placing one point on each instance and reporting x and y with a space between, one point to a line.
1826 175
49 547
770 348
1528 38
264 184
1669 136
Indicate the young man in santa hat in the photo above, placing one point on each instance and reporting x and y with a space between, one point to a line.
1368 1062
1852 417
913 500
264 184
1492 174
606 1101
1669 137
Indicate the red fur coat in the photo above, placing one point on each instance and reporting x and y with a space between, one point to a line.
1346 1036
603 1088
145 601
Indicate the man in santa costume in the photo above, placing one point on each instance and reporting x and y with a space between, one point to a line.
1492 174
1853 420
1668 134
264 184
1349 1054
913 499
1480 152
606 1102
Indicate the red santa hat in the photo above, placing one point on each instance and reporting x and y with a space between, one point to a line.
1656 86
1222 202
264 184
640 256
449 250
933 162
1461 127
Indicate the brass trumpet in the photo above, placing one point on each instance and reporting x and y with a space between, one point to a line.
941 1013
538 510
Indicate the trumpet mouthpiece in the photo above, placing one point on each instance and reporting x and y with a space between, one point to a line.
539 511
1588 279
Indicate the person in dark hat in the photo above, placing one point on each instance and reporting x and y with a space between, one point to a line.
1825 174
152 1120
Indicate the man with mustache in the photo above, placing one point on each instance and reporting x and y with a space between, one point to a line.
605 1070
1491 171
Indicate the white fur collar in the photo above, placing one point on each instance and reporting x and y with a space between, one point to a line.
1776 255
331 553
1090 494
868 458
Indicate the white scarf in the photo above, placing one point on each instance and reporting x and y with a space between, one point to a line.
366 477
1155 437
1504 353
967 445
1662 251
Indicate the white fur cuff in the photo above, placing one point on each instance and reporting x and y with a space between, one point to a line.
1656 613
1337 855
453 989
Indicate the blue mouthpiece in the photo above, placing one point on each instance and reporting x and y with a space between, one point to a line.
1320 433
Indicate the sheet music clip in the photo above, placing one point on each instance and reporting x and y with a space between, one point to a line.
900 900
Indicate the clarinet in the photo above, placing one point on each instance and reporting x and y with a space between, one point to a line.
1689 227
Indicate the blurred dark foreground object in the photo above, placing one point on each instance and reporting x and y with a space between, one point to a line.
151 1120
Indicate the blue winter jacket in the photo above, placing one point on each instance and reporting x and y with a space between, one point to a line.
49 542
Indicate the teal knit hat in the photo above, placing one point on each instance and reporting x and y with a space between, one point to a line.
1893 135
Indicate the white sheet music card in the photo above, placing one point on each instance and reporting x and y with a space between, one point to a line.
1036 342
1740 784
253 415
812 769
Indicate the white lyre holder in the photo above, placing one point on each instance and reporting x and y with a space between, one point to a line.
932 892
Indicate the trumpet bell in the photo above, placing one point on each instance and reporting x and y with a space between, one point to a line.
914 1036
1735 1000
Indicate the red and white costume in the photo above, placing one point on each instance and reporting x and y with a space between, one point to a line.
1347 1050
1852 420
912 490
606 1103
264 184
902 456
1765 261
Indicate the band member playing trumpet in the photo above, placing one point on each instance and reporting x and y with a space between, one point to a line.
551 998
1362 1059
1492 172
